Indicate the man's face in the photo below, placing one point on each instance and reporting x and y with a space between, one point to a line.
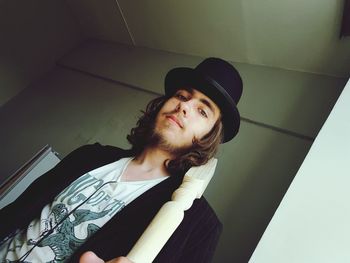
187 115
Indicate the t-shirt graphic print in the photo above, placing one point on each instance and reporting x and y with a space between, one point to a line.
75 215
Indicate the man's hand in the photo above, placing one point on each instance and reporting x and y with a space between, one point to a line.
90 257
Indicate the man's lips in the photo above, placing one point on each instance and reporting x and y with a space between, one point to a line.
176 120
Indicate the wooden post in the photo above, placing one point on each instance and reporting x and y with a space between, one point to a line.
171 213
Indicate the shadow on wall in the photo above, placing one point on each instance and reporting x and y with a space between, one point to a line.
254 173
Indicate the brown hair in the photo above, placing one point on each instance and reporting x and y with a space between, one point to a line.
199 153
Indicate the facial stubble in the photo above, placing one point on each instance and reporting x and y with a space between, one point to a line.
157 139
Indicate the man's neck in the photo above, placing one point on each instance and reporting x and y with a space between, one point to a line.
151 161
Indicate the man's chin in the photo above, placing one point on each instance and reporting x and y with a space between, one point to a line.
166 144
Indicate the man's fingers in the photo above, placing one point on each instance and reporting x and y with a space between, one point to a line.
120 260
90 257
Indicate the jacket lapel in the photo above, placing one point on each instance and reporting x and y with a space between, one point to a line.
121 232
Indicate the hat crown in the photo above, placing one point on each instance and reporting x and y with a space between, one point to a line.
224 74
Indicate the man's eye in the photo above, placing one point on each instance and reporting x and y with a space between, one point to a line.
181 97
203 113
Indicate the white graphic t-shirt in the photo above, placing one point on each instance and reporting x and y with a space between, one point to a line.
74 215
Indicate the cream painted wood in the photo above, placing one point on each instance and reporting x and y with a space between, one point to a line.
39 164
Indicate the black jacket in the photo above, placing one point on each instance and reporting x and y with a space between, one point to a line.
193 241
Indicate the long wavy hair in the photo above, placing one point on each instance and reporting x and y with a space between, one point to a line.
197 154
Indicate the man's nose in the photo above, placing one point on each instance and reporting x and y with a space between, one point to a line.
185 107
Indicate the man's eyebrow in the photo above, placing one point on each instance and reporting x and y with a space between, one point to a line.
189 90
208 104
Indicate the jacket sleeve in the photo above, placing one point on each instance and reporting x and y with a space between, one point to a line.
201 245
29 204
196 238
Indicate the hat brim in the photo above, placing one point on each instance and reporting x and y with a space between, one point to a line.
188 77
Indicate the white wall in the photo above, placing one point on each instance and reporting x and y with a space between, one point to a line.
295 101
34 34
312 222
95 94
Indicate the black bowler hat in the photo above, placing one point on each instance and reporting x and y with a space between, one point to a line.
217 79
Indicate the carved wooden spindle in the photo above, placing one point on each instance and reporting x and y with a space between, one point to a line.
171 213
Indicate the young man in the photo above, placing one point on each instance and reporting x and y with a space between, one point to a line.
101 198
